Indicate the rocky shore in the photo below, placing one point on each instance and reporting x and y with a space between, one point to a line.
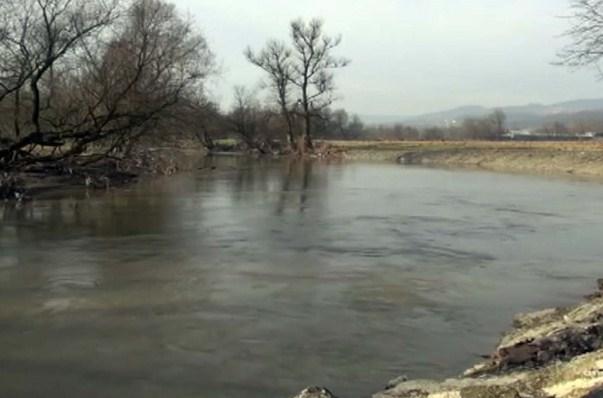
554 353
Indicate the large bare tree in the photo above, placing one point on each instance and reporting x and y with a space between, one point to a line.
275 59
92 76
586 34
302 74
313 70
248 120
36 38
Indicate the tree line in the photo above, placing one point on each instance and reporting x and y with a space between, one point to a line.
300 75
84 81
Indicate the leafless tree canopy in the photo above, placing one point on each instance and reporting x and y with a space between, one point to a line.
586 34
302 75
275 59
313 69
80 78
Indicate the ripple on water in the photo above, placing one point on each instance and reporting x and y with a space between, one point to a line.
204 286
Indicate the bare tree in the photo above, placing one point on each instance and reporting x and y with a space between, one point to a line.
340 121
489 127
275 60
586 34
248 120
308 67
498 119
93 73
36 35
204 118
156 63
313 70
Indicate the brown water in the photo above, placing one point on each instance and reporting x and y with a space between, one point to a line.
257 279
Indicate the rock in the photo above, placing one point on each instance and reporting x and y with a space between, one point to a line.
552 353
533 319
392 383
577 378
315 392
410 158
490 392
548 336
555 353
418 388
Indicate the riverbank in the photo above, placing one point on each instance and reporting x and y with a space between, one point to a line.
582 159
554 353
579 158
42 181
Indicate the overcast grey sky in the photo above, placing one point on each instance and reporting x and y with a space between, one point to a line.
411 56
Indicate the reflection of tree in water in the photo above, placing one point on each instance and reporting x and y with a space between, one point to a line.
297 179
107 216
15 213
75 242
291 180
229 204
307 172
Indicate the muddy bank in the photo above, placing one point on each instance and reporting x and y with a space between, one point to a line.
551 353
580 158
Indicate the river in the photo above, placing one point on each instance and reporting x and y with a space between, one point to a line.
256 279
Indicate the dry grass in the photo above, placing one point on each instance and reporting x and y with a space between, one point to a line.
580 158
591 146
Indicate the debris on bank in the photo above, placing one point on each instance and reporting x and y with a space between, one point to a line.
554 353
104 174
12 188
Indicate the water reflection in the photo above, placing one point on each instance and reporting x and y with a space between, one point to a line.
297 179
255 278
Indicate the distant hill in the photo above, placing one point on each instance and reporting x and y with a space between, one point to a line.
518 117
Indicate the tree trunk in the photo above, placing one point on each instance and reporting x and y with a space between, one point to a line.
290 136
35 113
307 141
16 114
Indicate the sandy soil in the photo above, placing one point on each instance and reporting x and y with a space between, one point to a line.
580 158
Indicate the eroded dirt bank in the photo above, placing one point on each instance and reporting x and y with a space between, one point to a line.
580 158
554 353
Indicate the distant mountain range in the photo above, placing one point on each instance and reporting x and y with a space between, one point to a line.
518 117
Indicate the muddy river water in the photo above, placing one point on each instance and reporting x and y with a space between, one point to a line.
256 279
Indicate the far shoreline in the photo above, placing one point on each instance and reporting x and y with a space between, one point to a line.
582 159
574 160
